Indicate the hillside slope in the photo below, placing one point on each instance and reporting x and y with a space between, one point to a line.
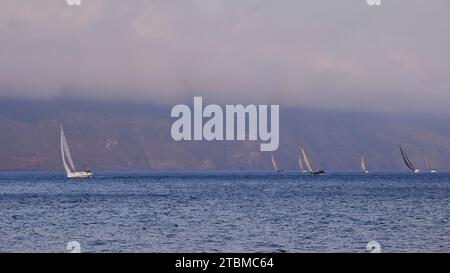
125 136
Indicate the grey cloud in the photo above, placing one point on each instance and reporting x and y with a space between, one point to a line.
325 54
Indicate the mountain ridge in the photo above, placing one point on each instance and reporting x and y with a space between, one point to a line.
136 136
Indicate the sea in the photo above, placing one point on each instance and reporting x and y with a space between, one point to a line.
203 211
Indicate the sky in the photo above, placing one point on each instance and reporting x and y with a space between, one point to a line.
321 54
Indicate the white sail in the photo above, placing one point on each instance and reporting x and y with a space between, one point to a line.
307 163
66 157
69 167
274 162
363 165
300 163
430 168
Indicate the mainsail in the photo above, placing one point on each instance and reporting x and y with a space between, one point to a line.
65 153
275 165
363 165
429 166
408 162
307 162
300 163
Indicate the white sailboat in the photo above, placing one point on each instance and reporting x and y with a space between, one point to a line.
430 168
363 165
275 165
69 167
308 165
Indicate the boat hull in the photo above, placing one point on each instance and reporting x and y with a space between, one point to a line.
318 172
80 175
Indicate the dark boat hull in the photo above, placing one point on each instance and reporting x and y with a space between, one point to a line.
318 172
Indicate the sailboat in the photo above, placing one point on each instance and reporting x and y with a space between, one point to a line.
300 162
308 165
408 162
363 165
69 167
430 168
275 165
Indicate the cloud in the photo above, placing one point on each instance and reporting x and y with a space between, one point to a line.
319 54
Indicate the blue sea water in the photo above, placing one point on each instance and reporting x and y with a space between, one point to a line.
224 212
